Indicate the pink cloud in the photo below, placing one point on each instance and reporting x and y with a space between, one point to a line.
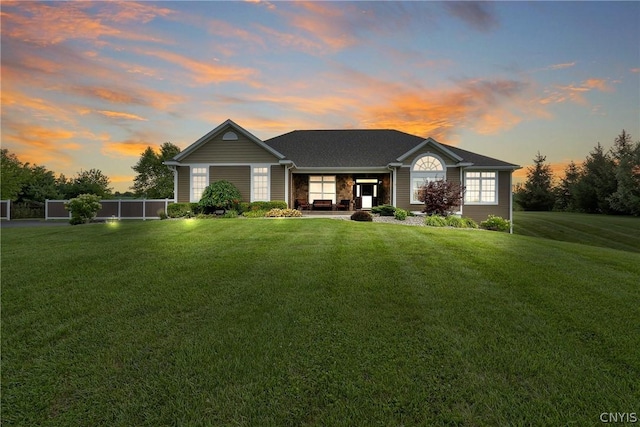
120 115
53 23
201 72
574 92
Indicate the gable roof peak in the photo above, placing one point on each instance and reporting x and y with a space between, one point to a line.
217 131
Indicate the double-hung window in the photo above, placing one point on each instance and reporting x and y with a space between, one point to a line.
199 181
260 183
481 188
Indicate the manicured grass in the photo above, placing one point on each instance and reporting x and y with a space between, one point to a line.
609 231
313 322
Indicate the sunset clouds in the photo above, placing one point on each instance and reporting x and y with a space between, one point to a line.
92 84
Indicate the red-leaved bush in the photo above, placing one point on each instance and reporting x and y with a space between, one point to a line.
440 197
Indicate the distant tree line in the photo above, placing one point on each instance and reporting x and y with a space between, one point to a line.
26 183
607 182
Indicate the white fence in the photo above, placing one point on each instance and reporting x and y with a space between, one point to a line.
5 209
119 209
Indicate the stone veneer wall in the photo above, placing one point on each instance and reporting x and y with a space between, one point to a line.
344 187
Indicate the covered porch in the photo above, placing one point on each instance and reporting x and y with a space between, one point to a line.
340 192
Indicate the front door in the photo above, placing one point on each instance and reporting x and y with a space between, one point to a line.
366 191
366 195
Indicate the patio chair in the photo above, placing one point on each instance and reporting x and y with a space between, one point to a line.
302 204
344 205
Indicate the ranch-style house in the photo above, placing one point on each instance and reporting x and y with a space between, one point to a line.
340 169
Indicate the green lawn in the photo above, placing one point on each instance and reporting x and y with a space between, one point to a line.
313 322
617 232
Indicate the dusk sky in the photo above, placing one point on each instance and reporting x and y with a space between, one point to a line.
91 84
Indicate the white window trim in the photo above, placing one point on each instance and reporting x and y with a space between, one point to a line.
334 196
435 175
268 167
191 167
481 203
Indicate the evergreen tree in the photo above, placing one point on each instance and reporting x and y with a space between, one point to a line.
565 197
537 192
154 180
626 155
597 183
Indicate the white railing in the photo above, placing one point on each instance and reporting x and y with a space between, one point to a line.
113 209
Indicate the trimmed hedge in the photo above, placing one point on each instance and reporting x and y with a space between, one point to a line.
182 210
450 221
435 221
383 210
266 206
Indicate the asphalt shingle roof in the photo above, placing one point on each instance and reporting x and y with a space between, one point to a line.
359 148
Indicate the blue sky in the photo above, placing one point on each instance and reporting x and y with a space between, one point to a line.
91 84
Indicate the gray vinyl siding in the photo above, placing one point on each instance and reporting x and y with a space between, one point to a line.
480 212
403 182
453 175
403 196
240 176
277 182
241 150
184 177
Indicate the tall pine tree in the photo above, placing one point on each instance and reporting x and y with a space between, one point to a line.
565 191
597 183
537 192
626 155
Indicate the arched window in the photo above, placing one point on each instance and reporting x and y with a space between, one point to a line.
230 136
424 169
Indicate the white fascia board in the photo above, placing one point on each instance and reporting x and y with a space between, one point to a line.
435 144
490 168
341 170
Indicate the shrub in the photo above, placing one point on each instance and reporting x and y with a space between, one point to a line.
495 223
281 213
243 207
230 214
162 214
455 221
183 210
440 197
220 195
83 208
435 221
258 213
383 210
266 206
400 214
361 216
470 223
450 221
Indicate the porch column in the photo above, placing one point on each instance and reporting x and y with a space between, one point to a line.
393 176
